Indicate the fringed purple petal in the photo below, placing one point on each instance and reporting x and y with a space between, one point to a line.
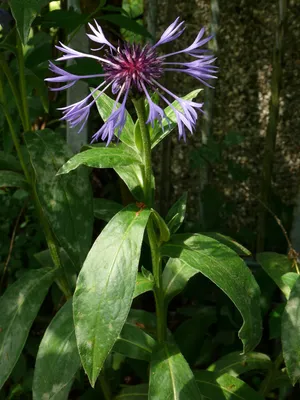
116 120
99 35
171 33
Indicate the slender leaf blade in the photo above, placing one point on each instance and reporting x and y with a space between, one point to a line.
105 287
290 333
24 13
133 342
12 179
229 242
236 363
225 387
276 265
175 277
222 266
66 200
19 306
101 157
171 376
132 175
57 360
176 214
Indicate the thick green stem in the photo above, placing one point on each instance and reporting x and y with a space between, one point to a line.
154 244
22 81
146 150
158 289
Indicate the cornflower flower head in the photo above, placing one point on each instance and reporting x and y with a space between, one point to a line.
136 69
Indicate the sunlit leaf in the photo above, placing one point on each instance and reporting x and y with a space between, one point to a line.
176 214
24 13
101 157
105 287
199 253
171 376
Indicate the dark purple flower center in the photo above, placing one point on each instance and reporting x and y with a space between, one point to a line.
133 65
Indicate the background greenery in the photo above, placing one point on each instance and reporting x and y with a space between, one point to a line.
240 169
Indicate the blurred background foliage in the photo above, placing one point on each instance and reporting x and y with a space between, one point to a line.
240 169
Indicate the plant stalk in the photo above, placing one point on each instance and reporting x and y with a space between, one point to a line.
22 81
153 242
62 281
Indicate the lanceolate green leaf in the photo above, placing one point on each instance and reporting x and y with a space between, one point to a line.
169 125
236 363
290 333
24 13
276 265
19 306
133 342
137 392
132 175
57 360
12 179
223 267
164 233
176 214
66 200
102 157
105 287
175 276
105 106
171 376
229 242
225 387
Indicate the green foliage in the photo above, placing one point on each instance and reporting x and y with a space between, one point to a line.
24 13
133 301
57 360
66 200
198 253
105 286
19 307
290 334
170 375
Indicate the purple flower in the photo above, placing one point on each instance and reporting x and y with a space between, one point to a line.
131 67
